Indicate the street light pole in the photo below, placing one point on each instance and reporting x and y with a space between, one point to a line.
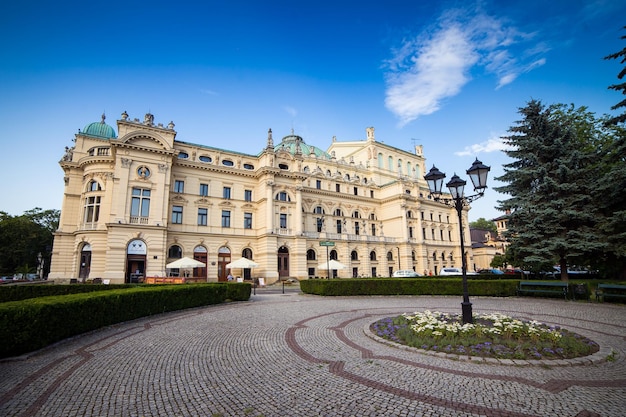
478 174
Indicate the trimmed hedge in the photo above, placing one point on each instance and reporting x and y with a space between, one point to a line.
408 286
34 323
25 291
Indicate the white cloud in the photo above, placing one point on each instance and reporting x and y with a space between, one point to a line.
493 144
291 111
438 70
209 92
436 65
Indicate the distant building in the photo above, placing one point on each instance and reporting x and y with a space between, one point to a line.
486 244
137 199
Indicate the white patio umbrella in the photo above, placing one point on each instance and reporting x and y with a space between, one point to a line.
333 264
242 263
185 263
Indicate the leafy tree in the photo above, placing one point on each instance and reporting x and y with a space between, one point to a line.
483 224
550 184
24 238
621 86
499 261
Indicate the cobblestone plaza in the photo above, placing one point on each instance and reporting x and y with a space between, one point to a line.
299 355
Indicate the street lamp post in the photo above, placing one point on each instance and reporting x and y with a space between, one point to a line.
478 174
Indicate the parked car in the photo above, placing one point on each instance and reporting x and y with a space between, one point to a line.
455 271
405 273
516 271
450 271
492 271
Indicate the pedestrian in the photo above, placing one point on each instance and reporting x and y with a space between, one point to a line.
230 277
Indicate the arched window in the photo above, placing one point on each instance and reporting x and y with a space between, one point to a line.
94 186
333 254
318 210
372 256
390 163
338 212
246 253
310 255
175 251
354 255
390 256
380 160
283 196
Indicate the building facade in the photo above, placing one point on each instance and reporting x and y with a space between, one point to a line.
139 199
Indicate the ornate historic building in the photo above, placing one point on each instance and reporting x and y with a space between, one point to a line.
139 199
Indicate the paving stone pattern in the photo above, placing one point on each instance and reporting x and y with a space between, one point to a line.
299 355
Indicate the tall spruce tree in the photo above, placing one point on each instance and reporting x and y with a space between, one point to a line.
619 87
549 182
611 199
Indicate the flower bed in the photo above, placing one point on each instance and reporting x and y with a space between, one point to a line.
491 335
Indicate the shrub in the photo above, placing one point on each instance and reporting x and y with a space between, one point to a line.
33 323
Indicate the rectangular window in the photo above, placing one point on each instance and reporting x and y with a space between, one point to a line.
247 195
373 229
318 184
356 228
371 193
179 186
226 193
204 190
320 224
338 226
92 209
432 232
140 202
441 234
337 187
177 214
283 221
410 231
247 220
202 216
424 233
356 191
225 218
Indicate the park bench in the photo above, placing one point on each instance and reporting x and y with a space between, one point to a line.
538 287
605 291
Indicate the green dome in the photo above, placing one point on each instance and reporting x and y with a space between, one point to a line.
99 129
292 142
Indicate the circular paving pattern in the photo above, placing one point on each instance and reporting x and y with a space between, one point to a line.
298 355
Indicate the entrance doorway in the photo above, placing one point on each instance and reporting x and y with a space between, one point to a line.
135 261
283 262
223 259
85 262
200 254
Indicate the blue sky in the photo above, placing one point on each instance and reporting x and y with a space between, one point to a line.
449 75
